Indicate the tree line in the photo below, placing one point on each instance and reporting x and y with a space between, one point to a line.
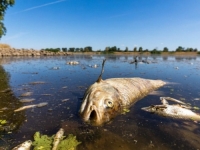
115 49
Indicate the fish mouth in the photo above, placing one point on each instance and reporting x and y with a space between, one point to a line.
92 116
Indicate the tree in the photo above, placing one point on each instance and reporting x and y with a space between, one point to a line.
64 49
4 4
126 49
165 49
140 49
71 49
180 49
77 49
135 49
88 49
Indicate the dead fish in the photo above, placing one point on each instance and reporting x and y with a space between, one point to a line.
6 90
178 111
64 100
46 94
26 94
37 82
24 107
57 138
55 68
31 106
27 100
24 146
73 63
42 104
104 99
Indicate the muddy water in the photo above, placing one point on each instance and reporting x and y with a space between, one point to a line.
50 79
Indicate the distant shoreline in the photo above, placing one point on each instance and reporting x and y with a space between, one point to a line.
139 53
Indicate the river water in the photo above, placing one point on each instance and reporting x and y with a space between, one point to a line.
64 86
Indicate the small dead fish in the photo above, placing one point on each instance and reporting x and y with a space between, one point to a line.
55 68
31 106
37 82
72 62
6 90
64 100
27 100
46 94
57 138
4 108
24 107
178 111
26 94
24 146
42 104
105 99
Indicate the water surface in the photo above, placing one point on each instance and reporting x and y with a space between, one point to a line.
64 88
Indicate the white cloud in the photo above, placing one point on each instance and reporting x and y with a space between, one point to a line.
16 36
44 5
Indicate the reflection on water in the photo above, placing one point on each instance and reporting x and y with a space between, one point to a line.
134 130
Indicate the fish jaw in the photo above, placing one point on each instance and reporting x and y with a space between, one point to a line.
100 104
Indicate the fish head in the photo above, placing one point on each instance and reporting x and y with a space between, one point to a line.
101 104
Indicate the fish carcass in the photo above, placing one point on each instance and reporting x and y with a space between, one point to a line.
24 146
105 99
178 111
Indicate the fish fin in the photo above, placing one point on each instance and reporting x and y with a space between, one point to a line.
100 76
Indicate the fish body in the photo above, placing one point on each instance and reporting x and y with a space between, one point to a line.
24 146
174 111
31 106
26 94
73 63
58 137
37 82
178 111
26 100
105 99
24 107
42 104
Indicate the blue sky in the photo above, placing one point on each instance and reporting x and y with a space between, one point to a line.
99 23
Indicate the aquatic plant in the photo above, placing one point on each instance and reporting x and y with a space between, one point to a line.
70 143
44 142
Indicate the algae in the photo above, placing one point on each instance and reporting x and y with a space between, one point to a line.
69 143
44 142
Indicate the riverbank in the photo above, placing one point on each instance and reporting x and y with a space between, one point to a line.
4 52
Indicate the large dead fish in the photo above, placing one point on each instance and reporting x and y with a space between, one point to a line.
178 111
104 99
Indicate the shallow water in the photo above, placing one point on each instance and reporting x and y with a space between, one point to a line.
64 86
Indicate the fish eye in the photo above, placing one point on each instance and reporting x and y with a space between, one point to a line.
109 103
